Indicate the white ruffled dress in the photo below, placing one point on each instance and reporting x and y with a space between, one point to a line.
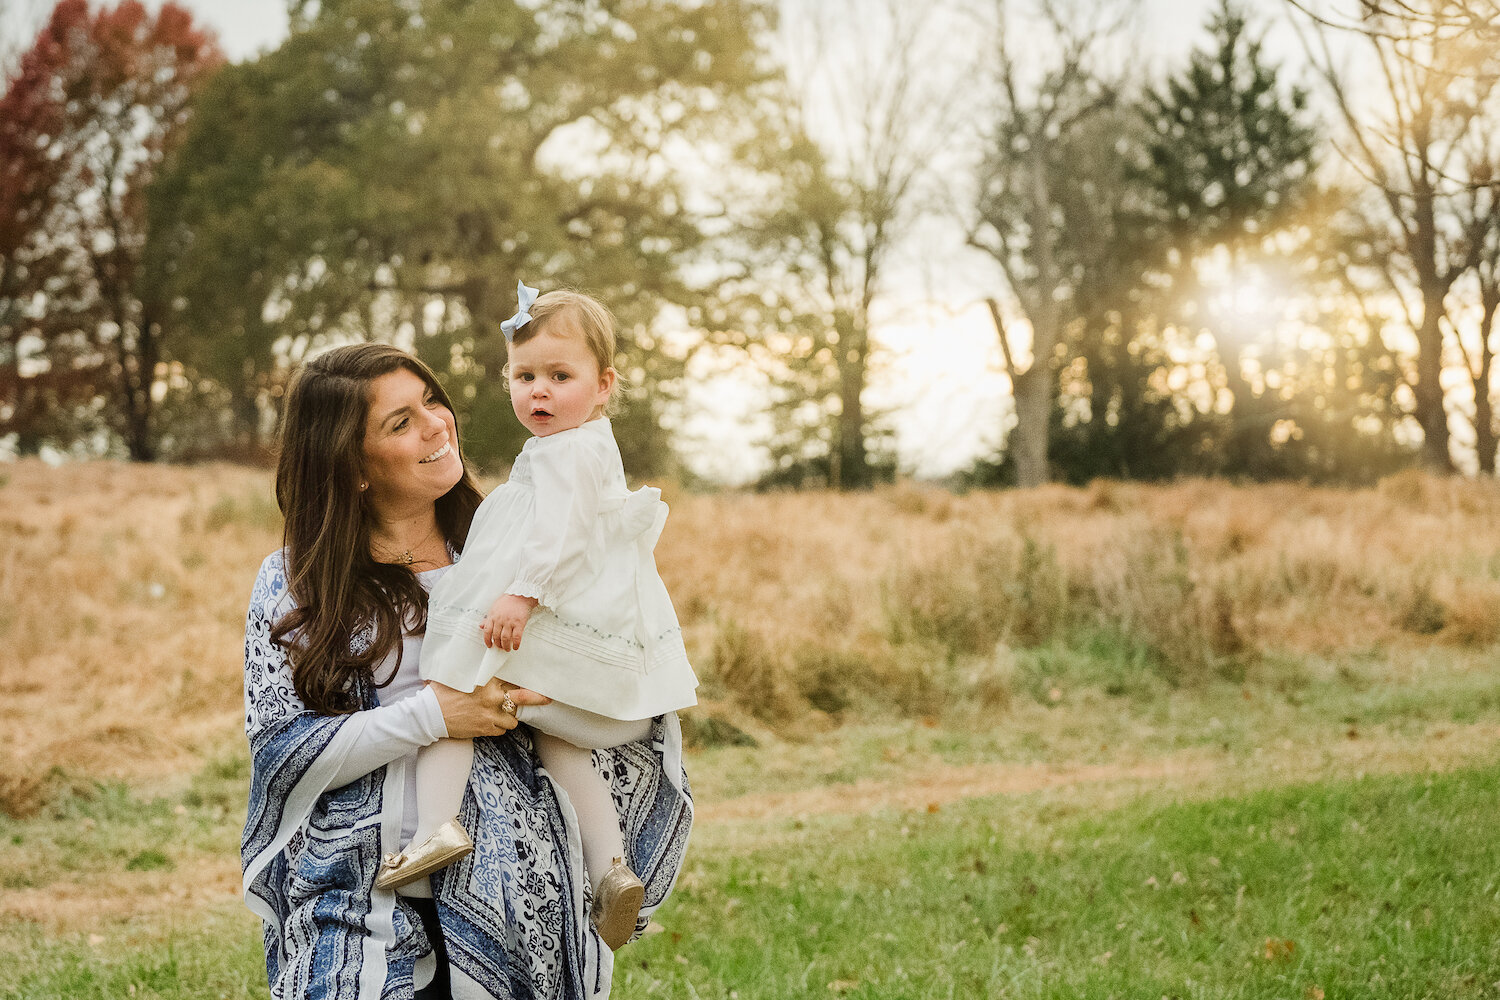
565 530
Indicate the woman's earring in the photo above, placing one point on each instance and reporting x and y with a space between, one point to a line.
363 487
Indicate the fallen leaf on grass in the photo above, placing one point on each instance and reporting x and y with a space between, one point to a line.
1279 948
842 985
1314 993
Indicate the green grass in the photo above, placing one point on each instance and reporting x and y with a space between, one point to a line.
1105 711
198 957
1372 888
1378 887
96 827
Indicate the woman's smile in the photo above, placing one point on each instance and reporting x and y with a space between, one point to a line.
407 426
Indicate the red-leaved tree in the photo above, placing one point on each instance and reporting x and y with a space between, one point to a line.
86 118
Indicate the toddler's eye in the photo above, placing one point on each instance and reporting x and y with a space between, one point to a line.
561 376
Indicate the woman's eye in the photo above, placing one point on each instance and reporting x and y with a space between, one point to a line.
400 425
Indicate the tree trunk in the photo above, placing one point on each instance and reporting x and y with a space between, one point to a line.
244 408
1028 442
852 470
136 361
1034 389
1485 442
1428 390
1248 433
139 375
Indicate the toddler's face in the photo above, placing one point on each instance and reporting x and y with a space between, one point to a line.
555 383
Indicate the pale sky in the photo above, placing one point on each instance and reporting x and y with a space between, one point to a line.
246 27
249 26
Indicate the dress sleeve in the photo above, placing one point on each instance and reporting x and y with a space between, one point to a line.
568 478
351 746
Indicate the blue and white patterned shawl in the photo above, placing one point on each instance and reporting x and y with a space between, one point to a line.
514 912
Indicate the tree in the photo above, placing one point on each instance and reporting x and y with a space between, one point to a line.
1231 157
96 104
1433 66
391 170
1117 411
1480 362
837 167
1029 159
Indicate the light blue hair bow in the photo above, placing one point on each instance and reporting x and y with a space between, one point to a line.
527 295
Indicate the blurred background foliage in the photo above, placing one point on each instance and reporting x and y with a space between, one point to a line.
1228 266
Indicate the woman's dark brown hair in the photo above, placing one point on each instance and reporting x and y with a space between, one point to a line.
340 590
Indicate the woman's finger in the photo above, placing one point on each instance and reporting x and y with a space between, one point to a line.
525 696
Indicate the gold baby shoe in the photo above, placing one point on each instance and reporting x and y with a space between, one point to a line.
447 844
617 904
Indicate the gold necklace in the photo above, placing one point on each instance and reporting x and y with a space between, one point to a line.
406 557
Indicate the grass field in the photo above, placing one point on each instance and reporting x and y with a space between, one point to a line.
1183 741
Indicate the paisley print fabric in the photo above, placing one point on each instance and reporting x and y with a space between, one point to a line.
515 912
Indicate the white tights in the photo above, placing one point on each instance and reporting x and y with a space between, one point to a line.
564 738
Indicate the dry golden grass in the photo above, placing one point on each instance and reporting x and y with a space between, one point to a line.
123 591
122 601
876 589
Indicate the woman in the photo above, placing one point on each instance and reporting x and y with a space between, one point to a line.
377 504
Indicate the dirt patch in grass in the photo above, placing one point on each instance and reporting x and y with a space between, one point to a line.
1192 772
104 903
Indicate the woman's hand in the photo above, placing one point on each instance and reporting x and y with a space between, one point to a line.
506 621
486 711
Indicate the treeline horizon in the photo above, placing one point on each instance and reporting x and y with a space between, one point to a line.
1230 267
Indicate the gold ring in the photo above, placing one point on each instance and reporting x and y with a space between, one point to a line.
508 706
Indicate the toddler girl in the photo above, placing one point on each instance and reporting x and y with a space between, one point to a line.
561 553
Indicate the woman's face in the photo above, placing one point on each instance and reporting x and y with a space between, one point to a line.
411 442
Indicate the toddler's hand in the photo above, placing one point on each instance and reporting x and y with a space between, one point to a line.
506 621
